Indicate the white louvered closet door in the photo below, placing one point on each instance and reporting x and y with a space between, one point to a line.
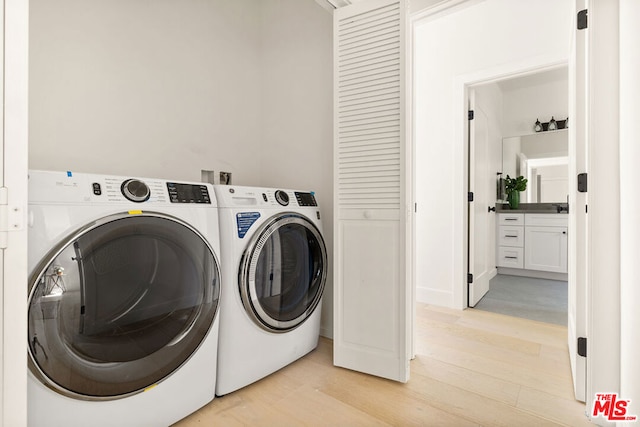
372 311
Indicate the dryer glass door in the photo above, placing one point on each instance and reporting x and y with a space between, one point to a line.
121 304
283 272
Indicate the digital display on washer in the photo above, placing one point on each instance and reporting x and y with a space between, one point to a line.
188 193
306 199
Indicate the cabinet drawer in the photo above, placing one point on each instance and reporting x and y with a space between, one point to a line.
511 235
510 257
511 219
547 220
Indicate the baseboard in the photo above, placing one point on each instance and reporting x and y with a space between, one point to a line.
533 273
434 297
327 333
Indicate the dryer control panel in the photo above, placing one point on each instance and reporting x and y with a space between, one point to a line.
306 199
81 188
245 197
188 193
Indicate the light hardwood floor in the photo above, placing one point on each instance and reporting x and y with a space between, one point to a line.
472 368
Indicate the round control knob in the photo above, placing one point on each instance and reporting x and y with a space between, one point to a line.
135 190
282 198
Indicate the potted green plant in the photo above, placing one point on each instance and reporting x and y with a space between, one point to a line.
513 187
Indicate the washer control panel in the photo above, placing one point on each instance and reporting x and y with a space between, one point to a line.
188 193
306 199
73 188
228 196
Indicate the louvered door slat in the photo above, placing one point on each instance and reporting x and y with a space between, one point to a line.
388 14
368 113
365 153
347 65
371 93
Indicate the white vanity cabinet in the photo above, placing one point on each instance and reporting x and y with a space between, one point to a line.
511 240
535 242
545 245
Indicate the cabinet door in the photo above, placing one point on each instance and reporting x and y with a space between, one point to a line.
545 249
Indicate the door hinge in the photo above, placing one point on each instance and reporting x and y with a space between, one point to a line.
4 216
582 346
469 278
470 115
582 182
11 218
582 19
470 196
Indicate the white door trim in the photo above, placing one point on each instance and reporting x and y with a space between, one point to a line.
461 129
13 299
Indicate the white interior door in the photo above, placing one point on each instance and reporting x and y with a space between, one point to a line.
481 179
577 242
372 297
13 207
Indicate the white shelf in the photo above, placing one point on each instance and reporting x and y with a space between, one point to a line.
537 133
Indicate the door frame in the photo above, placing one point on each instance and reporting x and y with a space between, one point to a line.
13 197
462 85
460 89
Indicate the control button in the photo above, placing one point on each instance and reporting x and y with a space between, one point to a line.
264 197
135 190
96 189
282 197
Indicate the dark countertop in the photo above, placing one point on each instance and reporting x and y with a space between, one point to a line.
538 208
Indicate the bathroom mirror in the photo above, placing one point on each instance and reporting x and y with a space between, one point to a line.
542 158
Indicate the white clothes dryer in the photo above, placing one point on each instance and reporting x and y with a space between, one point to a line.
274 268
123 299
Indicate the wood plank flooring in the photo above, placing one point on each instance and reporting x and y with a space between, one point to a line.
472 368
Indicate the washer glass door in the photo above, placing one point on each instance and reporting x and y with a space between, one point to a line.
283 272
121 304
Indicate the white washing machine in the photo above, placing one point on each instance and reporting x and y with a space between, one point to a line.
124 293
274 268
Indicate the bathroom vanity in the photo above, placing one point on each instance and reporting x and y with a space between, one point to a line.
533 239
532 243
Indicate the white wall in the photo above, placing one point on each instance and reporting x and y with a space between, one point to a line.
297 110
479 40
162 89
523 105
168 88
